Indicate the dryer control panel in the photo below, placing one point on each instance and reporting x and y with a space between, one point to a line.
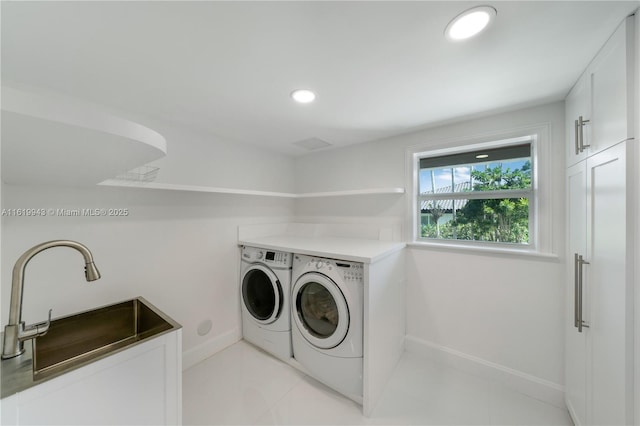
351 271
276 259
346 270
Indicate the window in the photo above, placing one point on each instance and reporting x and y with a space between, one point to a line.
483 194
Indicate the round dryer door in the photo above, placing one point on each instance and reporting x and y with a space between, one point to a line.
262 294
321 311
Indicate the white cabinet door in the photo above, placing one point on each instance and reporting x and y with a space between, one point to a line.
609 289
578 108
599 106
109 397
575 342
611 72
139 386
599 360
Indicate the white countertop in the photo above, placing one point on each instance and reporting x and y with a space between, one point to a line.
352 249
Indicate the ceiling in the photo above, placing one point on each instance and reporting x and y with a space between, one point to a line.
227 68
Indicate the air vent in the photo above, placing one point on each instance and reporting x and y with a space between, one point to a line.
312 144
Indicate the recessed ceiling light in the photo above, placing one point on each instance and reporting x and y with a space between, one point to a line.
482 156
303 96
470 23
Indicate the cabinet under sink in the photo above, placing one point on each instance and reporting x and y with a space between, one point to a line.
117 364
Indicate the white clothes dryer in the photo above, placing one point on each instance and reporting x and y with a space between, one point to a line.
327 307
265 290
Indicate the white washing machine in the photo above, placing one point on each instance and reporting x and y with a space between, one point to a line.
265 291
327 307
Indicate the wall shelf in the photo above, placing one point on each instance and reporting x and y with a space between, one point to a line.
50 139
192 188
216 190
373 191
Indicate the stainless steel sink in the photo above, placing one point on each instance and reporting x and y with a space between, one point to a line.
81 338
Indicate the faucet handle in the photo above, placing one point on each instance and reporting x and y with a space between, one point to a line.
43 327
34 330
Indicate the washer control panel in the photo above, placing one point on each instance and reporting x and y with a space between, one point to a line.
269 257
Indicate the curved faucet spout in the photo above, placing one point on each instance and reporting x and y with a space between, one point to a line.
15 331
91 272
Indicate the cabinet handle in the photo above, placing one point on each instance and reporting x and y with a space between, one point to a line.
577 137
576 287
579 323
580 130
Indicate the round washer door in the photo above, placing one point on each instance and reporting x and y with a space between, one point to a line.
321 311
262 294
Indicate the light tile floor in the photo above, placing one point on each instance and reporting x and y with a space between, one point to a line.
244 385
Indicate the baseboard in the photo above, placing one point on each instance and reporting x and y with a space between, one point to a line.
210 347
527 384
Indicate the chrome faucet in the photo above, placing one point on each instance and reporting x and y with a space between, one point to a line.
15 332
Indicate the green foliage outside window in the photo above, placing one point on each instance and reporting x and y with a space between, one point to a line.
495 219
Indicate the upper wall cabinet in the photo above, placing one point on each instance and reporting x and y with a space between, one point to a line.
53 140
611 77
598 106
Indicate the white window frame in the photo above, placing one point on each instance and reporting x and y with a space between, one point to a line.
540 233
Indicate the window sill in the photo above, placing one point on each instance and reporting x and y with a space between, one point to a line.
483 250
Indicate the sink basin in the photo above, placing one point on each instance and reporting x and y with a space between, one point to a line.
81 338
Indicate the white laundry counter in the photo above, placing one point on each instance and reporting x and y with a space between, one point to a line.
353 249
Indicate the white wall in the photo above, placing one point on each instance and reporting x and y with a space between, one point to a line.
198 159
507 310
177 249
